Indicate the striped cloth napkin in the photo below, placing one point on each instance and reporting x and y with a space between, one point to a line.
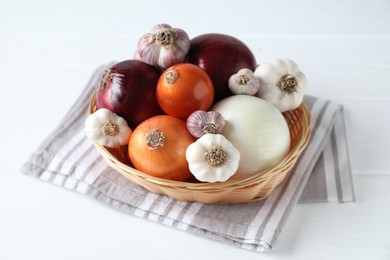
322 174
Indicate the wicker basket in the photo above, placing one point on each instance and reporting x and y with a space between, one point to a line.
231 191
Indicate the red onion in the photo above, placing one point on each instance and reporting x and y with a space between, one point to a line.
129 90
220 56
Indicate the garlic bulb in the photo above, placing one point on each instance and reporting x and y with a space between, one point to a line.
163 47
282 83
257 129
244 82
201 122
212 158
107 128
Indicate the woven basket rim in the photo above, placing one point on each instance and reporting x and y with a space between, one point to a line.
233 183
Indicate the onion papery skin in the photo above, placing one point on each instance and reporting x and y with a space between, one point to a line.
166 160
192 90
130 91
220 56
257 129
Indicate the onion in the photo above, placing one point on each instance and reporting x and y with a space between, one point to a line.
128 89
158 147
257 129
220 56
184 88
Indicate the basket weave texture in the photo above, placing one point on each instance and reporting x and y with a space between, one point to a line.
243 190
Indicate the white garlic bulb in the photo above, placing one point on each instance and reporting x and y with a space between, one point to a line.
282 83
212 158
107 128
244 82
163 47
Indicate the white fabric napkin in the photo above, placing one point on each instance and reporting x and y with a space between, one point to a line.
322 174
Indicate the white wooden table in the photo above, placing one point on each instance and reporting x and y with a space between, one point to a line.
48 50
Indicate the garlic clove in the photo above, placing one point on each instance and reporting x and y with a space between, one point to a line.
182 42
291 66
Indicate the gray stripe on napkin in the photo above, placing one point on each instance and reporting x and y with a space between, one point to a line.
66 158
315 184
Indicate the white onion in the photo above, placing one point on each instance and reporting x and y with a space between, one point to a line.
257 129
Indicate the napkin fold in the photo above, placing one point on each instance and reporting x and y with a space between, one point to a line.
322 174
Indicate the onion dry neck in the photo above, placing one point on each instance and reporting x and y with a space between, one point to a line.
171 76
108 77
155 139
